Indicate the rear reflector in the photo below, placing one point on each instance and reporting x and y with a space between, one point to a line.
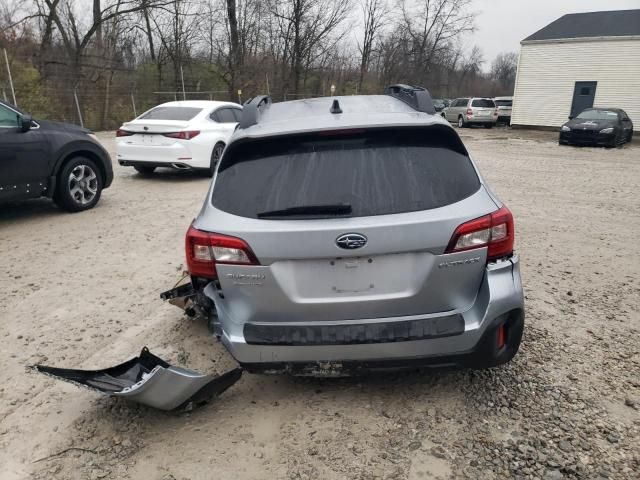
183 135
123 133
204 250
501 336
494 231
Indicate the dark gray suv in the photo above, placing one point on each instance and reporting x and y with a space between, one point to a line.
355 232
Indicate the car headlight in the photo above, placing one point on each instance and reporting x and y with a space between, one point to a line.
565 128
607 130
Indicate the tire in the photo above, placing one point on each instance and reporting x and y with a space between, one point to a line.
461 123
488 125
79 185
216 153
144 170
630 136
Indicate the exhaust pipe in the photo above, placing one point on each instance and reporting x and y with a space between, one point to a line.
180 166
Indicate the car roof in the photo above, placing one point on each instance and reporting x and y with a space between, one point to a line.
198 104
604 108
503 98
358 111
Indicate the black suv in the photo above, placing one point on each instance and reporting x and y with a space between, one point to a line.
61 161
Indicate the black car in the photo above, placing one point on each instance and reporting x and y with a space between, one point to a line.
57 160
609 127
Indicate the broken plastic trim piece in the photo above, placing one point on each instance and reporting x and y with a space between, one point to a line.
149 380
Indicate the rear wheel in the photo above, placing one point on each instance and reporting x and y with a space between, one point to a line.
79 185
488 125
216 154
144 170
461 123
630 137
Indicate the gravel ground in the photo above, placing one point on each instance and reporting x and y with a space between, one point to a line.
82 290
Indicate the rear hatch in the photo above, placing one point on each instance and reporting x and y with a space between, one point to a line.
504 107
483 107
396 195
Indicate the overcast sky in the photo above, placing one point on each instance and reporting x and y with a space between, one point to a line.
502 24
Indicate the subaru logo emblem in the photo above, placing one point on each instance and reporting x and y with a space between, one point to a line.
351 241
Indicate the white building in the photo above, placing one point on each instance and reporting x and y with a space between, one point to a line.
579 61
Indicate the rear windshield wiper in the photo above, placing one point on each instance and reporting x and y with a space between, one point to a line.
337 209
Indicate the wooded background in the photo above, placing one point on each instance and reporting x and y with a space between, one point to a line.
121 57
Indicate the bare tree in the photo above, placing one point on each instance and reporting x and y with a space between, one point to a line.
374 13
430 26
308 28
503 70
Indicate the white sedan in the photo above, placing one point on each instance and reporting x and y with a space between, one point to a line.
186 135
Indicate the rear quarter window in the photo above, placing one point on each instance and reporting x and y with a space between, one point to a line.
376 172
171 113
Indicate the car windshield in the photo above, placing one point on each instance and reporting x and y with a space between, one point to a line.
438 103
504 103
483 103
373 172
171 113
598 115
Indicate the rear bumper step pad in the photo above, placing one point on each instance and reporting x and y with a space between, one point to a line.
353 334
149 380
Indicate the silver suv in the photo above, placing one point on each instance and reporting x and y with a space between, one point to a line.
466 112
355 232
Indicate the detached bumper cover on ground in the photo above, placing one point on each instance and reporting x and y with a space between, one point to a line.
149 380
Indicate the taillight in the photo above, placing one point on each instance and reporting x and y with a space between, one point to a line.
183 135
204 250
469 112
495 231
123 133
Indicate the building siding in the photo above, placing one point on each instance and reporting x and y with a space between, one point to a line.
547 73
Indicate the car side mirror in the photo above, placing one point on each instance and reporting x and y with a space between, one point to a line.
25 122
571 117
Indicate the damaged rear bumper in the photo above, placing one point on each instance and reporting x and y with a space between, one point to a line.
149 380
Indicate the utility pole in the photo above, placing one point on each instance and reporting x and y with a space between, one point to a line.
75 96
13 93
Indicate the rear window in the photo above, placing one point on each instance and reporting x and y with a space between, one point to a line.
171 113
375 172
504 103
483 103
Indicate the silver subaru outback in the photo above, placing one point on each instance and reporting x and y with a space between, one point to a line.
352 233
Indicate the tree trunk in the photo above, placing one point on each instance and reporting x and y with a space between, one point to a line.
234 48
97 20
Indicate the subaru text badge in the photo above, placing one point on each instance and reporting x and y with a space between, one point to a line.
351 241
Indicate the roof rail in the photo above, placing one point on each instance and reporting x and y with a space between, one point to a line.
417 98
251 110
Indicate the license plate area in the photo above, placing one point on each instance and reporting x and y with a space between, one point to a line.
148 139
352 275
